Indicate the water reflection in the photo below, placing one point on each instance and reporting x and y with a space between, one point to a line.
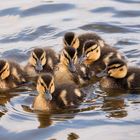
4 98
72 136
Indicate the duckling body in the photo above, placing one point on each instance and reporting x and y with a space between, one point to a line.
64 71
120 76
77 42
63 75
54 97
96 57
41 60
11 75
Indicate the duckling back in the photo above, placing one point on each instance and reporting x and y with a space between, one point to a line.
15 78
121 76
67 95
62 75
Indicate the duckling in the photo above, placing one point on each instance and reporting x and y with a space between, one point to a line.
120 76
41 60
77 42
52 97
11 75
96 57
65 70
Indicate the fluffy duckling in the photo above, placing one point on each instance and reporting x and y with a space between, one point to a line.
120 76
41 60
65 70
96 57
51 96
11 75
77 42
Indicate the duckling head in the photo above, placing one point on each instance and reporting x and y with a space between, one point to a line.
117 68
4 69
45 85
69 58
70 40
91 51
38 58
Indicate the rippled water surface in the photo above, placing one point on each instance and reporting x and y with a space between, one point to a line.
25 24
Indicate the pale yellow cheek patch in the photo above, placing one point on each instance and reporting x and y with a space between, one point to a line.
50 62
77 92
77 43
32 61
116 73
130 79
101 43
63 97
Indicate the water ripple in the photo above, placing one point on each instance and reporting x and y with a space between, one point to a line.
106 28
40 9
28 34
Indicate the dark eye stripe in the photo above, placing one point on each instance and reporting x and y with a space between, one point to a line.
42 58
115 67
91 50
3 70
66 57
74 42
34 57
42 84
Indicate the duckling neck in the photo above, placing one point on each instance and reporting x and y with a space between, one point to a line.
41 103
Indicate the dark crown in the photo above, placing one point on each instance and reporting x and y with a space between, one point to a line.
116 61
71 51
2 64
89 43
68 37
38 52
47 78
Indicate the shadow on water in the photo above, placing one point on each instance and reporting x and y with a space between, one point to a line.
40 9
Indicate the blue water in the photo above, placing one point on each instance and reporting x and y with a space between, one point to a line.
28 24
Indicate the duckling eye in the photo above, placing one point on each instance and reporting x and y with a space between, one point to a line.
42 58
41 84
34 57
121 69
74 41
97 51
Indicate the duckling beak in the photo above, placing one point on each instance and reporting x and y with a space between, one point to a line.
48 96
39 66
82 59
102 73
72 67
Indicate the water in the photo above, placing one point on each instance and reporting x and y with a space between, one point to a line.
26 24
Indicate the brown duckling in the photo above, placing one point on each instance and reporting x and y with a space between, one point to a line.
11 75
65 70
41 60
120 76
77 42
96 57
51 96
